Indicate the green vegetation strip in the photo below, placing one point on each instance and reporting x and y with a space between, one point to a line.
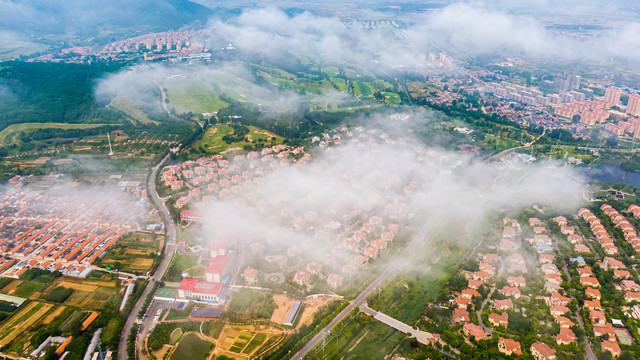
16 128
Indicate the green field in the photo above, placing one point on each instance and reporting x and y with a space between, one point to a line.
28 288
340 83
179 264
8 135
391 98
134 253
212 141
361 338
175 336
254 343
362 88
192 348
185 97
123 103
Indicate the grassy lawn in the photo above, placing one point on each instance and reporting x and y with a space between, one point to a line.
362 338
212 142
175 336
186 96
8 135
185 261
340 83
247 303
196 271
121 102
391 98
192 348
362 88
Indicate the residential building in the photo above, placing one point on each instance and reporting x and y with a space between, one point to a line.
509 346
612 96
542 351
470 329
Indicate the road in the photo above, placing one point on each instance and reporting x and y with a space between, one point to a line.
170 247
587 344
390 272
504 152
166 109
423 337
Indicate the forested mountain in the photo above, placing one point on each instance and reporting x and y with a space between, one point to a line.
82 20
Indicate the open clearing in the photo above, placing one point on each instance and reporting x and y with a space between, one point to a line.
284 304
121 102
185 97
8 134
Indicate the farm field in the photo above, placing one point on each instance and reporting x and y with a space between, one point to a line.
247 341
90 293
212 141
8 134
18 325
135 253
60 304
192 347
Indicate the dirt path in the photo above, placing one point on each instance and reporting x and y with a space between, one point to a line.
358 342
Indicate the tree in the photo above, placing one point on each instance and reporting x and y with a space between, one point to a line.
625 355
612 141
605 356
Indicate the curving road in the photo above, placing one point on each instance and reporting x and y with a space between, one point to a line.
170 248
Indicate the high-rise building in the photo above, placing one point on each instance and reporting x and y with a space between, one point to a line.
636 130
577 96
633 106
612 96
564 84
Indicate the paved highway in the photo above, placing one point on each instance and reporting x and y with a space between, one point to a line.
170 247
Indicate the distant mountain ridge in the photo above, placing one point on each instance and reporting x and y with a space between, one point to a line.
82 19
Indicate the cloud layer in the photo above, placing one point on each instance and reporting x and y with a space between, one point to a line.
316 206
467 29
